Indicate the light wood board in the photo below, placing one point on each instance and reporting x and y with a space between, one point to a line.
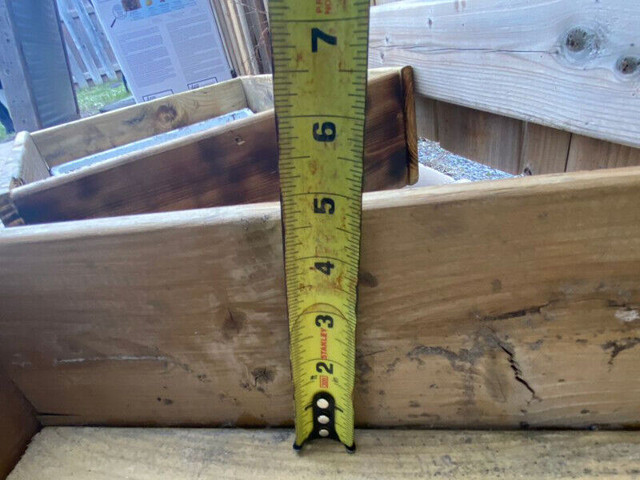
513 59
227 165
493 304
183 454
78 139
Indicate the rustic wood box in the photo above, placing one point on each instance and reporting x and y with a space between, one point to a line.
508 305
223 165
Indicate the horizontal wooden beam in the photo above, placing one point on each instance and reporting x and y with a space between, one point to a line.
228 165
492 304
150 454
81 138
568 65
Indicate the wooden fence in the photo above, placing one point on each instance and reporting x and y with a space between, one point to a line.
91 58
244 25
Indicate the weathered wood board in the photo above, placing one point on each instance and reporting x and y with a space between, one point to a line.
591 154
557 63
495 304
184 454
227 165
17 425
78 139
484 137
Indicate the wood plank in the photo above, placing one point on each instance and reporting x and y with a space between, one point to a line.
555 63
17 425
426 118
87 136
544 150
481 136
259 92
410 124
15 77
83 49
590 154
146 454
491 304
233 164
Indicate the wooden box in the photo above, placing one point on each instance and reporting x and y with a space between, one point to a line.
509 305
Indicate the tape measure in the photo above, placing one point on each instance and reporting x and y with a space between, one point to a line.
319 82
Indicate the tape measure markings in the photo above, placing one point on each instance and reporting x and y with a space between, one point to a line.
320 53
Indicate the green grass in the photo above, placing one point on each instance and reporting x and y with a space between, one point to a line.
91 99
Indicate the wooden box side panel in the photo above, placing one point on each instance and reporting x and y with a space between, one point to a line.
87 136
233 164
495 304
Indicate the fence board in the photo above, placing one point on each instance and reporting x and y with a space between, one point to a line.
87 45
544 150
481 136
81 46
589 154
94 37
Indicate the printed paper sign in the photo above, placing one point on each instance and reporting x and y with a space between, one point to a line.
164 46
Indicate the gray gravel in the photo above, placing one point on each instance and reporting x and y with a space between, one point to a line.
431 154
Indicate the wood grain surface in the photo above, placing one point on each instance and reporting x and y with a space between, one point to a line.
87 136
544 150
592 154
494 140
552 62
513 303
183 454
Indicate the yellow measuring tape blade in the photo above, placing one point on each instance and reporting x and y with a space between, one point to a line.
320 75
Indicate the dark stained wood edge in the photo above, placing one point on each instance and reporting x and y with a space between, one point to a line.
18 424
410 124
9 215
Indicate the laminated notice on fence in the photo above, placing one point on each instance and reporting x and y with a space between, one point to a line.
164 46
